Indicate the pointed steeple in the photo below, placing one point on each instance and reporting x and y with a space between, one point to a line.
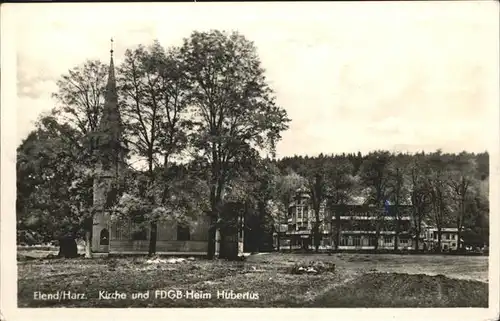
111 94
110 129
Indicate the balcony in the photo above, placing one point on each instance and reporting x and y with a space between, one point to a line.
367 218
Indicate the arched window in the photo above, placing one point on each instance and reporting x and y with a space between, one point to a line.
104 237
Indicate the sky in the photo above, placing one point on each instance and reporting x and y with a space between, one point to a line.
400 76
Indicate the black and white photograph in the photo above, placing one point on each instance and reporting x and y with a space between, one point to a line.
251 155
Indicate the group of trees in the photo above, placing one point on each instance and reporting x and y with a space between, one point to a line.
196 120
443 190
202 108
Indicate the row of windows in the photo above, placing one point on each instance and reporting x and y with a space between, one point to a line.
356 240
371 226
390 240
445 236
403 210
304 226
183 234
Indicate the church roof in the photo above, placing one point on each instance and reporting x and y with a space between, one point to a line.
111 121
110 129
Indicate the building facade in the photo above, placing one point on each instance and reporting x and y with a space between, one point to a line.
363 227
347 227
449 238
300 221
359 227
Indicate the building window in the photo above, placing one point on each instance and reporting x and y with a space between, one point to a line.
453 244
104 237
447 236
357 240
182 232
387 239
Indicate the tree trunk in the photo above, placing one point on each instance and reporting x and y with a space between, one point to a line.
152 239
338 227
278 237
88 244
260 227
439 239
211 238
417 239
317 234
459 222
459 235
316 237
396 236
88 226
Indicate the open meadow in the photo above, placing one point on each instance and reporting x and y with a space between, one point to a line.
263 280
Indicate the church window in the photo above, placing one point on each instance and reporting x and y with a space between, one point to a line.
104 237
183 232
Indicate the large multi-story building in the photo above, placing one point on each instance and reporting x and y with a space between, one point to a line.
300 220
364 227
359 227
353 227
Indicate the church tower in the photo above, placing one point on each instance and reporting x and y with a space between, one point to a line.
110 152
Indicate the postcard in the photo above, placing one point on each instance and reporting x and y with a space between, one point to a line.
303 159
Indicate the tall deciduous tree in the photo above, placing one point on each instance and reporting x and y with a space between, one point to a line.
155 100
397 191
374 175
342 186
461 182
286 188
233 108
439 191
79 104
315 171
419 190
80 96
54 190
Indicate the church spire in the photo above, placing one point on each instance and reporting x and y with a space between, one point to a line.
111 94
110 125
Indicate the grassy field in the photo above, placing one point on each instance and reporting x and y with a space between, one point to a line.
358 281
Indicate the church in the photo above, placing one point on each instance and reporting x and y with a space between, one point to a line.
109 237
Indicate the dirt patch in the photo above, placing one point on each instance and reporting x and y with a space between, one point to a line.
311 268
405 290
